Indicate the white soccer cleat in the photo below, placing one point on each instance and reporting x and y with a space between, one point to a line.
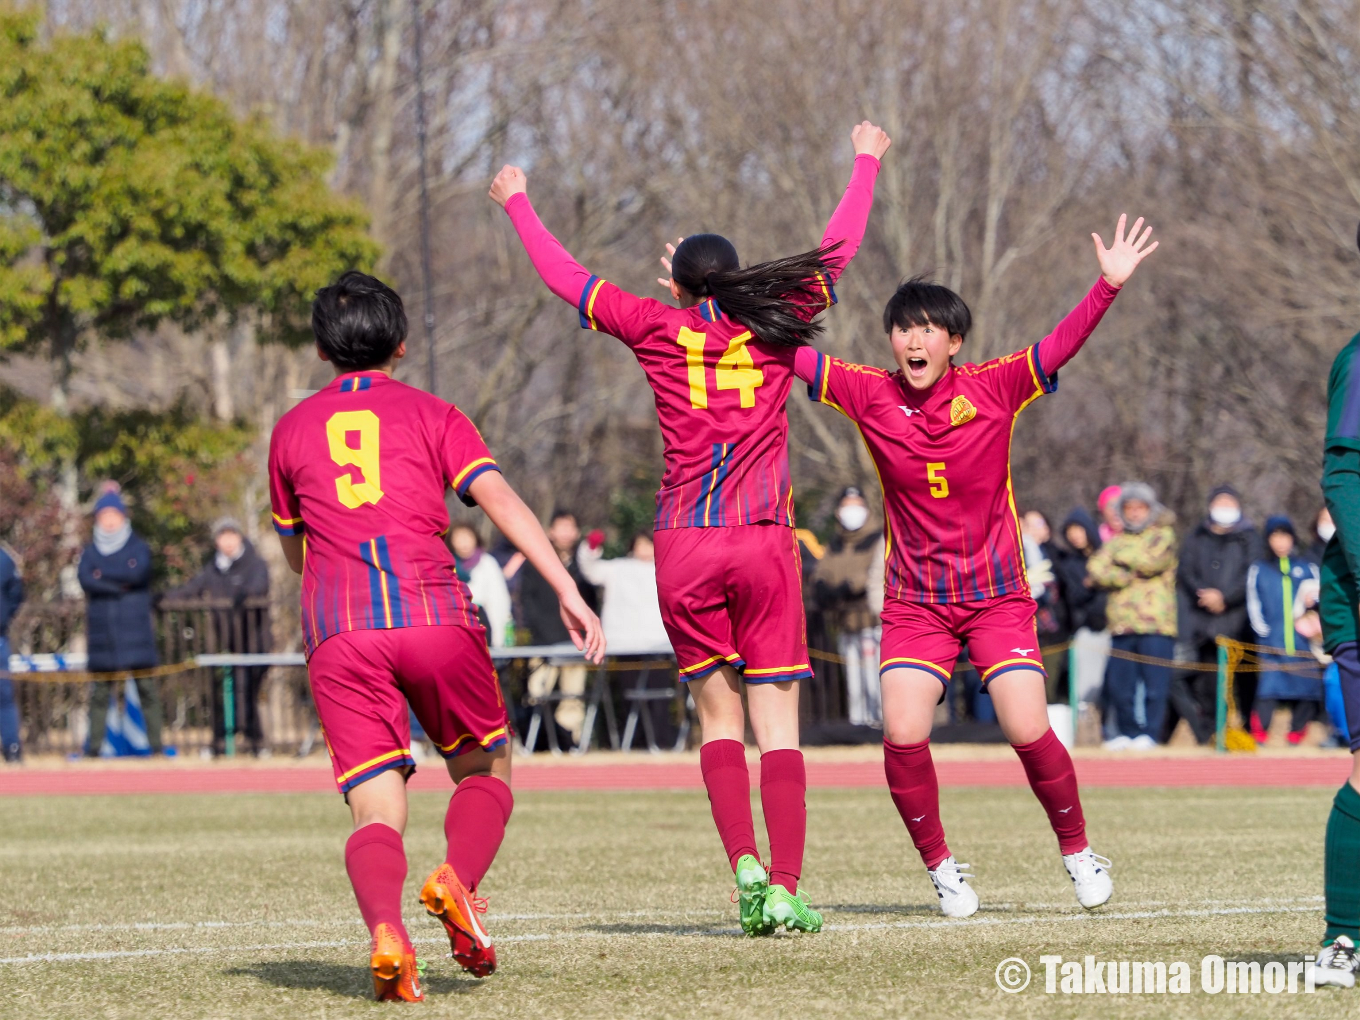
957 898
1336 964
1090 877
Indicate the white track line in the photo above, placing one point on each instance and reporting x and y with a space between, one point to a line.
1094 918
494 919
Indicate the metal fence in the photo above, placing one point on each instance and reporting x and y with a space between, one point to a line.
53 709
629 703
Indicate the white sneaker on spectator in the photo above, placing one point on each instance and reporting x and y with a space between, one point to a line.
1119 743
1142 742
957 898
1090 877
1336 964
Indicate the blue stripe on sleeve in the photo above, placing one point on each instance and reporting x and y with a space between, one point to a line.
585 296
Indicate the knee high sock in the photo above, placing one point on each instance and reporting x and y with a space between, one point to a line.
1341 866
723 763
376 861
1048 767
475 825
783 797
916 792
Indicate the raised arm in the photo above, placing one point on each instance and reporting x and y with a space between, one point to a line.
847 223
564 276
1117 264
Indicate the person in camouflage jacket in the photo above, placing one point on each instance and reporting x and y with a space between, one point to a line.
1138 568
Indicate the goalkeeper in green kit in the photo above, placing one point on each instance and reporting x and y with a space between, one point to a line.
1337 963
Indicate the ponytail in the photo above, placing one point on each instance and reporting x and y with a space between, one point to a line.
774 299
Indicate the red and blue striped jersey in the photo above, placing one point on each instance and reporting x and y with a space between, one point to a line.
720 391
952 533
720 396
943 456
360 470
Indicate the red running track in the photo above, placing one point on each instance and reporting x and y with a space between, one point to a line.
653 775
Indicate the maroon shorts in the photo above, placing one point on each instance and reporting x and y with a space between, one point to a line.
734 596
362 681
999 632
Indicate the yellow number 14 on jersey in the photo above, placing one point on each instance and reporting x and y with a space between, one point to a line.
735 370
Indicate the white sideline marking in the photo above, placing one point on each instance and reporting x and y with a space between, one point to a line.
574 936
355 922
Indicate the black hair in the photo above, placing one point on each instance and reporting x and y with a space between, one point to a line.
558 513
918 302
358 321
771 299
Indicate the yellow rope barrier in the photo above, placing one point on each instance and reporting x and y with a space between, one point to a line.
83 676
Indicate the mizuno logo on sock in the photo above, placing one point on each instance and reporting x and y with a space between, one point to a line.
1063 811
918 819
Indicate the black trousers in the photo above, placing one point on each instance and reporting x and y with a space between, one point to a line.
1194 693
246 684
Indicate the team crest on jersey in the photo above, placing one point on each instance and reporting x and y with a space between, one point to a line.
961 410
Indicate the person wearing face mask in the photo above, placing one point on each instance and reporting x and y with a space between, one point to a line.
1323 530
115 573
1211 588
1138 569
840 586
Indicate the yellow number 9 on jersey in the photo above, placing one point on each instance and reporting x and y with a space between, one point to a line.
355 494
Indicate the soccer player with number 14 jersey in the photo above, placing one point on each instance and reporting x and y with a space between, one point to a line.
358 474
940 436
728 572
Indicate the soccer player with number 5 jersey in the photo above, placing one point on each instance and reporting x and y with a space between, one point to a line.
727 564
940 437
358 474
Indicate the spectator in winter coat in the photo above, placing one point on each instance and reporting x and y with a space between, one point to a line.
1212 603
840 584
631 609
486 582
1138 568
1083 604
115 573
1272 588
11 597
543 617
235 574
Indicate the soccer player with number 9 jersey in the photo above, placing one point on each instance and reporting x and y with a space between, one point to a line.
727 565
358 474
940 436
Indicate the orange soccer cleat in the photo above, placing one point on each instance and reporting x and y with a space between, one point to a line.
396 972
446 898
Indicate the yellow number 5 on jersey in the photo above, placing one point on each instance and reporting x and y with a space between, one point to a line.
355 494
939 485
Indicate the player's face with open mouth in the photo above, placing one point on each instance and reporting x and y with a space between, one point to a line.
923 353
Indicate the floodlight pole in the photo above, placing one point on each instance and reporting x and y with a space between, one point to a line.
426 270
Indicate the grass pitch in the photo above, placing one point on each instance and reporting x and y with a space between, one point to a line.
615 905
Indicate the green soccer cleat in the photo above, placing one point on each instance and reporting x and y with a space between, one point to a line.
752 882
792 912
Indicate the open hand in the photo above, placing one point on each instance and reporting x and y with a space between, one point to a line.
509 182
869 139
583 626
1120 259
665 281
